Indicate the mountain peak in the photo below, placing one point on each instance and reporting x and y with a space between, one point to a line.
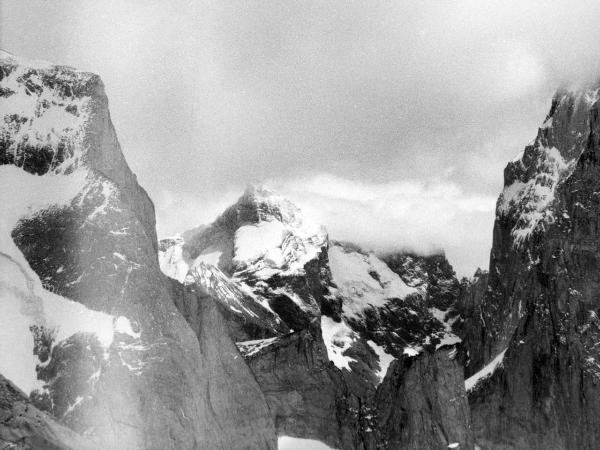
259 203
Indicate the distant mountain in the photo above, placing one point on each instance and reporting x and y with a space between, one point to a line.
338 339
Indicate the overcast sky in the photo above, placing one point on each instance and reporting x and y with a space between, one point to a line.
390 122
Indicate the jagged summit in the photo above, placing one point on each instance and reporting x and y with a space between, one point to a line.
258 204
262 233
247 258
531 179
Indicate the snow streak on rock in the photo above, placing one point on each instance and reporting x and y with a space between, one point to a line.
249 348
385 359
487 371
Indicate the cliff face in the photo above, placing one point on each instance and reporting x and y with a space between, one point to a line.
102 346
422 404
539 311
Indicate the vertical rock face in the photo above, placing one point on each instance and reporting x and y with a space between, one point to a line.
321 323
422 404
101 344
471 326
539 389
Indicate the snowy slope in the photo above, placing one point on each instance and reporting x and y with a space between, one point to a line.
363 280
280 241
291 443
393 312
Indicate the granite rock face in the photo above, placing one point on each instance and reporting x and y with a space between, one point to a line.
106 350
535 371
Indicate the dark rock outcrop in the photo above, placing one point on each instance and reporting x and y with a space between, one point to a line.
471 326
422 404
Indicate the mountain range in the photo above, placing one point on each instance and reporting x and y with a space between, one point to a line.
260 330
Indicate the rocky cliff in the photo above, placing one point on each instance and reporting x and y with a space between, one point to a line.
534 332
91 329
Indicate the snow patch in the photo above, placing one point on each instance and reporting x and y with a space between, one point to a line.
273 247
123 325
173 263
412 351
291 443
210 256
385 359
448 338
338 337
254 241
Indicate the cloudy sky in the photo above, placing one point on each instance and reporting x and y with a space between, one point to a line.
389 122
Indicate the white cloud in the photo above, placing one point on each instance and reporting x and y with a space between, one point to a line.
403 215
178 212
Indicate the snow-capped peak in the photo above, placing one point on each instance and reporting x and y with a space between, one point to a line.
45 111
531 179
245 257
268 205
262 234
